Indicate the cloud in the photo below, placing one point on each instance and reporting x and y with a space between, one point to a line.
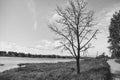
10 46
44 47
106 14
54 17
48 47
35 25
31 5
32 8
103 20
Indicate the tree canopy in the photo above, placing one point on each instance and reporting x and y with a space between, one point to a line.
114 35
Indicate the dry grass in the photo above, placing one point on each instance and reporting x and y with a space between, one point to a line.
93 69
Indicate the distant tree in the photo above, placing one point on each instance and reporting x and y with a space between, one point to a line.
114 35
74 28
101 56
11 53
3 53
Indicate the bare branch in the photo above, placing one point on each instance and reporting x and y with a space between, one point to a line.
68 49
73 27
84 36
55 29
89 39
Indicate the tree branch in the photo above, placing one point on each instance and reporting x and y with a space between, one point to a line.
68 49
89 40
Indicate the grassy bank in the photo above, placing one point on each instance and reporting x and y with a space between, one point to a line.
93 69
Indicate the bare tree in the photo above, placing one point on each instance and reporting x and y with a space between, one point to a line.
74 28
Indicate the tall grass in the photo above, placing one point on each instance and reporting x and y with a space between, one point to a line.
93 69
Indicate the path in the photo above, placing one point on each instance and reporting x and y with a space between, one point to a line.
115 69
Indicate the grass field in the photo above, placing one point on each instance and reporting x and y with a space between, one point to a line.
92 69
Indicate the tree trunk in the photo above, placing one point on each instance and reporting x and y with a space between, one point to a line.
78 65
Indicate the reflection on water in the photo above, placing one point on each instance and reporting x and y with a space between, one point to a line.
11 62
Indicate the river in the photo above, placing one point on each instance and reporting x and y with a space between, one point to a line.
11 62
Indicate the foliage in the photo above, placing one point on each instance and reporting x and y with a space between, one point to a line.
103 56
114 36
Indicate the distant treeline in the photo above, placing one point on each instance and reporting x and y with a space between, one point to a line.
20 54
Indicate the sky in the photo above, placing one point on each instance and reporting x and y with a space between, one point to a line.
24 25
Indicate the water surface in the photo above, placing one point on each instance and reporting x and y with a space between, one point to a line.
11 62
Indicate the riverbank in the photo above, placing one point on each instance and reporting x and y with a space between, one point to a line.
93 69
11 62
29 55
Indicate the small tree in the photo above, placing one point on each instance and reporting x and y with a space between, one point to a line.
114 36
74 28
